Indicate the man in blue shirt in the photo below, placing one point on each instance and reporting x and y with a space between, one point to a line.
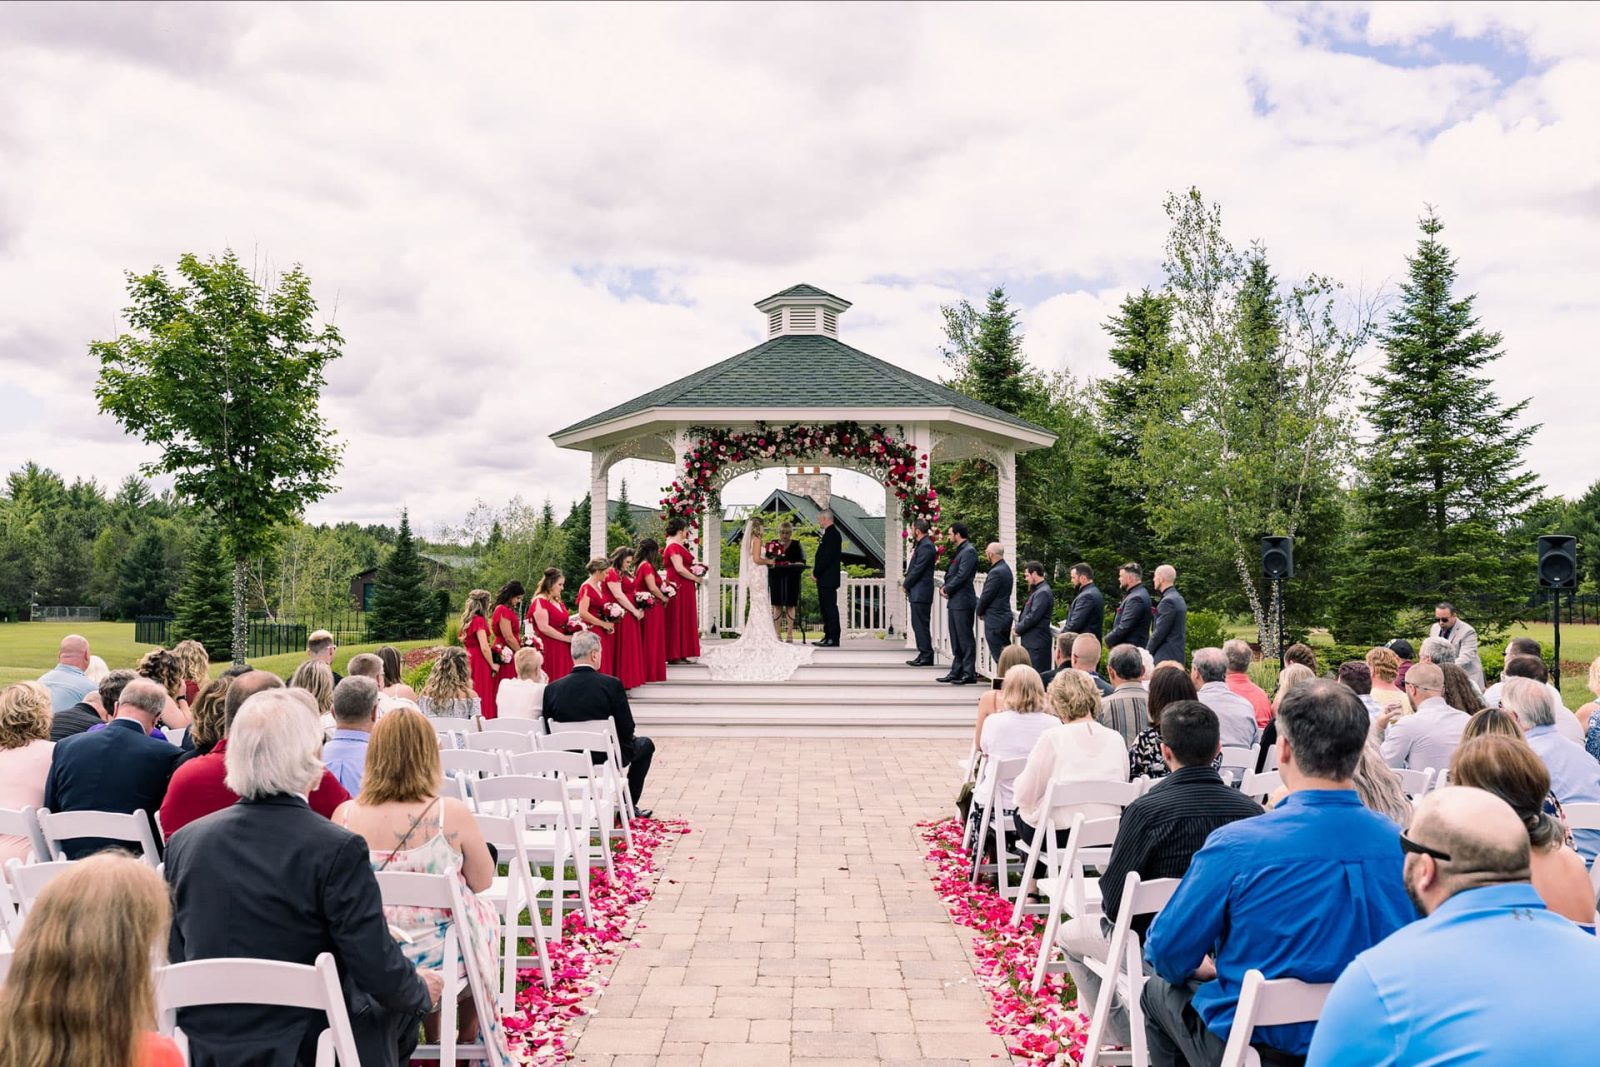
355 712
1294 893
67 682
1422 996
1574 774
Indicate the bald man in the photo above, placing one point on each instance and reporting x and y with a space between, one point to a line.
996 604
1170 632
67 682
1419 996
1429 736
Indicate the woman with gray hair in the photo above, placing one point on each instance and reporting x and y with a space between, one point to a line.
1574 774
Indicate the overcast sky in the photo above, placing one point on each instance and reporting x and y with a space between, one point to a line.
524 215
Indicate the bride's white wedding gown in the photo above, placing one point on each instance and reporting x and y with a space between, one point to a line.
758 655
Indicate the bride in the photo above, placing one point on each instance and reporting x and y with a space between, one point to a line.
758 655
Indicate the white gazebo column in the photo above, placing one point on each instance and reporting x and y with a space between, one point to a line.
711 556
894 567
1006 467
599 500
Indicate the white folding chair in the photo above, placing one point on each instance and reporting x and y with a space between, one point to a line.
1261 786
607 774
416 890
473 763
27 882
1073 893
1121 973
587 791
24 822
511 726
511 741
551 834
261 982
509 894
1238 761
1279 1002
452 733
1005 770
1066 794
1415 783
607 726
131 829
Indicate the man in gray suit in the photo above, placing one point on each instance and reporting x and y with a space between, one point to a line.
1033 625
963 608
995 603
1462 637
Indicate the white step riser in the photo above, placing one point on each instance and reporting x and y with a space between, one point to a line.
895 676
731 730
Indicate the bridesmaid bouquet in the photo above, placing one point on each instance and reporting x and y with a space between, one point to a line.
530 638
697 569
614 611
575 626
669 590
644 598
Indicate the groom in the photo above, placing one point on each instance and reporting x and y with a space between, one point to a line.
963 608
826 572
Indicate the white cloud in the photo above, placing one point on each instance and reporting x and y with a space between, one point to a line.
525 215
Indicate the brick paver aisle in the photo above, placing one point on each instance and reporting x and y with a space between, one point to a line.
797 924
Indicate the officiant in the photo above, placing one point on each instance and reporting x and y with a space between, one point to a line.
783 580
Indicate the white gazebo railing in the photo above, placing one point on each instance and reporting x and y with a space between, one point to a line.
863 606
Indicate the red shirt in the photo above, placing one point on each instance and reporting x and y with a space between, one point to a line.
197 789
1240 683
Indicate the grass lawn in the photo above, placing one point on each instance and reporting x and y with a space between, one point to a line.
28 649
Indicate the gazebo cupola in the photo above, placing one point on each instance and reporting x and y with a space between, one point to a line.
802 309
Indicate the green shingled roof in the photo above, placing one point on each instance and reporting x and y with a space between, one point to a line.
802 370
865 532
804 290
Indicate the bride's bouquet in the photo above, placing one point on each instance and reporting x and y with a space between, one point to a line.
774 550
644 599
668 590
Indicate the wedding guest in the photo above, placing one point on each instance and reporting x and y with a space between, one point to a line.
195 662
1427 738
997 601
1384 666
1355 675
477 641
1239 656
1517 646
393 671
1509 768
67 681
269 879
81 989
587 695
522 697
683 622
163 668
1127 709
410 828
1268 893
1379 787
1087 615
316 678
451 691
370 666
918 584
1025 715
1010 656
593 600
94 709
1079 750
210 717
1586 712
505 631
1131 623
98 669
25 753
320 646
1061 660
355 713
1459 692
1406 654
1302 654
1492 722
647 578
629 657
1292 675
1574 774
551 621
1236 717
1523 665
1168 686
1420 996
1086 658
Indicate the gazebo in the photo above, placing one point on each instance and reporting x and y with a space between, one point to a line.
802 395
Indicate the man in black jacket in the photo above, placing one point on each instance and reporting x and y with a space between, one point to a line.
1131 626
1169 635
996 603
918 585
826 572
586 695
270 879
962 604
1033 625
1088 612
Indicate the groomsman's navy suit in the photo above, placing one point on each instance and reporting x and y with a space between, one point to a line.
1033 625
963 608
1088 612
919 594
1132 623
995 607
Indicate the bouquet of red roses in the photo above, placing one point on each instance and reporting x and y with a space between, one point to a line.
774 550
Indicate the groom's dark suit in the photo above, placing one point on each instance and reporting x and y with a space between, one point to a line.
826 572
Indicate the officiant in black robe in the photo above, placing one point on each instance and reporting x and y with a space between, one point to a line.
783 580
826 572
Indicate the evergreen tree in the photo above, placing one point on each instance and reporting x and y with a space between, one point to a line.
203 606
1581 519
403 607
144 583
575 556
1443 477
497 537
623 519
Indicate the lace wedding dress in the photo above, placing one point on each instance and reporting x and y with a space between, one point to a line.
758 655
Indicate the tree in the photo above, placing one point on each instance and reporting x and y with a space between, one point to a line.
403 607
574 559
623 520
224 376
144 584
203 605
1582 520
1443 478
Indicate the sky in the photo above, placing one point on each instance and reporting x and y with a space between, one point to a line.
519 216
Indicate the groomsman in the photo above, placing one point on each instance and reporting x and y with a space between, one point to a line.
1088 612
918 585
1033 625
995 603
825 570
963 607
1131 626
1168 637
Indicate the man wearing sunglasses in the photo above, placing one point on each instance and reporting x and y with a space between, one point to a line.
1490 976
1462 637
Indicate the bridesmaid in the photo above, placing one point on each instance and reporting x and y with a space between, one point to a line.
475 638
630 638
504 626
549 617
592 601
683 617
647 579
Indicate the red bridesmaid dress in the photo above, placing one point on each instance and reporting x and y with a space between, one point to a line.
484 679
655 627
594 601
683 617
503 613
630 638
557 654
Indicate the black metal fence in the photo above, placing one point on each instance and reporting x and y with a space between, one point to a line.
1577 609
268 636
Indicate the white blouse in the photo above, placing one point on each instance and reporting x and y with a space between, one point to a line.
1082 751
1009 735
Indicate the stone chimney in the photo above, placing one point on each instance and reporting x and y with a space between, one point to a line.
811 482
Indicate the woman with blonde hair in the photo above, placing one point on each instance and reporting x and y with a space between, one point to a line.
81 991
1080 750
195 662
483 666
210 716
449 692
1586 714
1023 716
1291 676
1385 668
166 670
989 702
522 697
410 827
316 678
1379 787
25 754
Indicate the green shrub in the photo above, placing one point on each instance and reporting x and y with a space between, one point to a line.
1205 629
417 677
1264 672
452 631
